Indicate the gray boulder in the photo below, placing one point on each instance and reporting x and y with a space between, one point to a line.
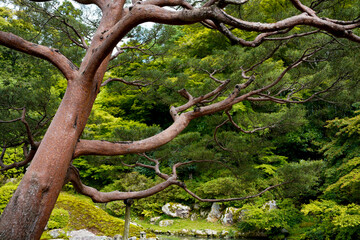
270 205
176 210
154 220
55 233
214 214
193 217
165 223
85 235
227 218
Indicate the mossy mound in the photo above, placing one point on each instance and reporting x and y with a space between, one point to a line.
84 215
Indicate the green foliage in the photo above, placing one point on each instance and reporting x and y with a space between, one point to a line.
303 179
221 188
6 192
332 221
59 218
342 152
271 222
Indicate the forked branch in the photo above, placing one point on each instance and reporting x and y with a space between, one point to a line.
73 176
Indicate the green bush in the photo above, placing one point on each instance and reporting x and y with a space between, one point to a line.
59 218
260 220
332 221
6 192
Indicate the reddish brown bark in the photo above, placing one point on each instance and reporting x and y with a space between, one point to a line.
28 211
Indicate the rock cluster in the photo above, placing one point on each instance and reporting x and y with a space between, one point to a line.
84 234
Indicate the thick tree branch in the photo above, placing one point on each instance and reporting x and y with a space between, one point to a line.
52 55
94 147
303 8
102 197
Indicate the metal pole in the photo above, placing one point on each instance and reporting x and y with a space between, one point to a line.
128 203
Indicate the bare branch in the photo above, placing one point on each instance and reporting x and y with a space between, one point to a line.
303 8
28 158
193 101
215 138
244 131
83 42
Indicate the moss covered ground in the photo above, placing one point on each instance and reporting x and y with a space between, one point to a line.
85 215
179 224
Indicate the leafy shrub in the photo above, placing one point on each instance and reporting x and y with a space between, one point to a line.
59 218
332 221
259 220
6 192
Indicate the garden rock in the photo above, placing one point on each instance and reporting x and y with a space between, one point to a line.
193 217
117 237
270 205
227 218
154 220
176 210
211 233
85 235
214 214
165 223
55 233
200 233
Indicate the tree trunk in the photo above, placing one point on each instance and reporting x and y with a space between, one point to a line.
30 207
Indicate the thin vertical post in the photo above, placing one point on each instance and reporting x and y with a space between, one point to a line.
128 203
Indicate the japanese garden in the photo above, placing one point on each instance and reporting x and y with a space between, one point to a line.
233 119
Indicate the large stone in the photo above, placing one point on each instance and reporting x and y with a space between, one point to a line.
203 213
193 217
200 233
154 220
165 223
85 235
176 210
117 237
270 205
55 233
211 233
214 214
227 218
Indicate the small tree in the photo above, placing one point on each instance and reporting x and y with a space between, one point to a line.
29 209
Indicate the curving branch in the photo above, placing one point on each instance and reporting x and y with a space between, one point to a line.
68 69
30 140
244 131
29 156
215 138
303 8
73 176
193 101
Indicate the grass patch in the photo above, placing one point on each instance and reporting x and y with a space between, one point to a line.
179 224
